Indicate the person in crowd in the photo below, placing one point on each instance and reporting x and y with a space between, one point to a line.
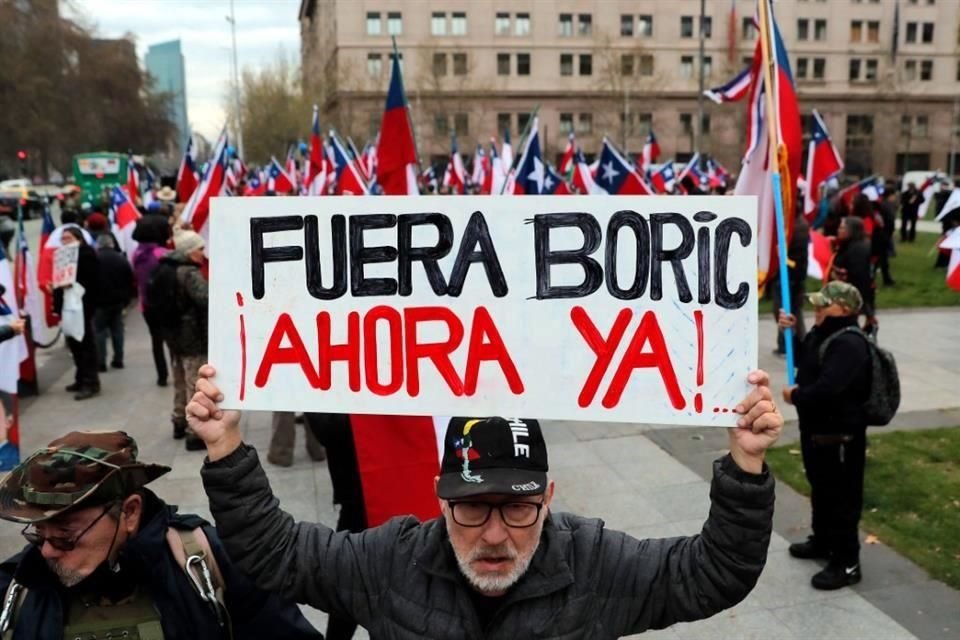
152 233
851 264
283 440
180 297
86 382
833 382
107 558
909 212
98 225
115 292
888 214
797 258
498 561
837 211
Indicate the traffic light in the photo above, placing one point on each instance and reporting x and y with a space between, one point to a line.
22 157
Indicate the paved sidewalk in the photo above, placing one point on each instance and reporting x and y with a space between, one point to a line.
620 472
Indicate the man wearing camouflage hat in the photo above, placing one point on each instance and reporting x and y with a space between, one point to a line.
108 558
833 382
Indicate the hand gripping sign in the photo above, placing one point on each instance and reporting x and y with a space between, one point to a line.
583 308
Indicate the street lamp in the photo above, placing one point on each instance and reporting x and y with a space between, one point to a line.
236 81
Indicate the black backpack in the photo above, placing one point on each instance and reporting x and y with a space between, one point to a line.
884 397
162 304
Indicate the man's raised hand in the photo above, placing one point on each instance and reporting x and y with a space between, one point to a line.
219 429
758 426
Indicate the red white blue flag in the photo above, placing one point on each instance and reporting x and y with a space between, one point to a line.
616 176
823 162
396 151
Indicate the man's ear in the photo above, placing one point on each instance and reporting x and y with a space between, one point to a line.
132 509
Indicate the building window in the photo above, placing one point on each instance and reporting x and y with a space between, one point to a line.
644 123
706 25
626 25
748 30
870 74
566 64
911 34
503 64
859 144
686 66
585 123
873 31
921 126
586 64
820 30
441 124
707 66
801 68
686 26
373 23
521 24
926 70
461 124
626 64
910 70
854 69
646 65
439 64
686 123
565 25
584 24
927 32
523 64
705 123
523 119
438 23
395 23
856 30
912 162
803 28
566 123
374 65
502 24
458 23
503 122
645 26
459 64
819 68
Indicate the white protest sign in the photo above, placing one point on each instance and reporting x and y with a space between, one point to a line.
65 265
627 309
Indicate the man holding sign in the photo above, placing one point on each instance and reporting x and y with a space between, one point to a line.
498 562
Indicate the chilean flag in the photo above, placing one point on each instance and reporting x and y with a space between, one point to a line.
455 175
506 153
952 242
316 173
197 209
479 174
45 268
871 187
429 178
278 180
554 184
133 179
187 174
733 90
616 176
497 175
819 256
531 170
566 162
13 351
125 217
663 178
396 151
823 162
293 174
583 177
348 179
255 187
651 150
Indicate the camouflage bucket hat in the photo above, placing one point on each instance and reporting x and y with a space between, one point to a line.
80 469
840 292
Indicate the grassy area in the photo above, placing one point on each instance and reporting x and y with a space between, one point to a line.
918 283
912 494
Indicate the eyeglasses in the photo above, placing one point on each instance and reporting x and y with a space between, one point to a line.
517 515
61 544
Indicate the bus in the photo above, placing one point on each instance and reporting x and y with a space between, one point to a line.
97 173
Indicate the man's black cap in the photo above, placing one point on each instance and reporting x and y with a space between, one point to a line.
493 456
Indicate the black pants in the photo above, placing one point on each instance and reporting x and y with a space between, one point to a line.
883 264
85 357
156 342
108 319
835 472
334 433
908 228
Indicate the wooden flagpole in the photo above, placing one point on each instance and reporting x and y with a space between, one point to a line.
773 135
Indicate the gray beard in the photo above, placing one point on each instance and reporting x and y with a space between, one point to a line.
486 584
66 577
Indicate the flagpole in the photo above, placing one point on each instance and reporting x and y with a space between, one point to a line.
766 44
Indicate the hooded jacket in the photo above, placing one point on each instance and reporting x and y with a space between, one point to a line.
183 615
401 580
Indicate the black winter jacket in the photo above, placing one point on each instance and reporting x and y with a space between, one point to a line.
183 615
116 279
830 394
401 580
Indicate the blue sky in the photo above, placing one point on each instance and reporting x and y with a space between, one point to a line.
263 28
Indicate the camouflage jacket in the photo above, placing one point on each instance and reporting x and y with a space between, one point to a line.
190 337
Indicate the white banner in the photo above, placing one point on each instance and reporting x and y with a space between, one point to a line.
626 309
65 265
